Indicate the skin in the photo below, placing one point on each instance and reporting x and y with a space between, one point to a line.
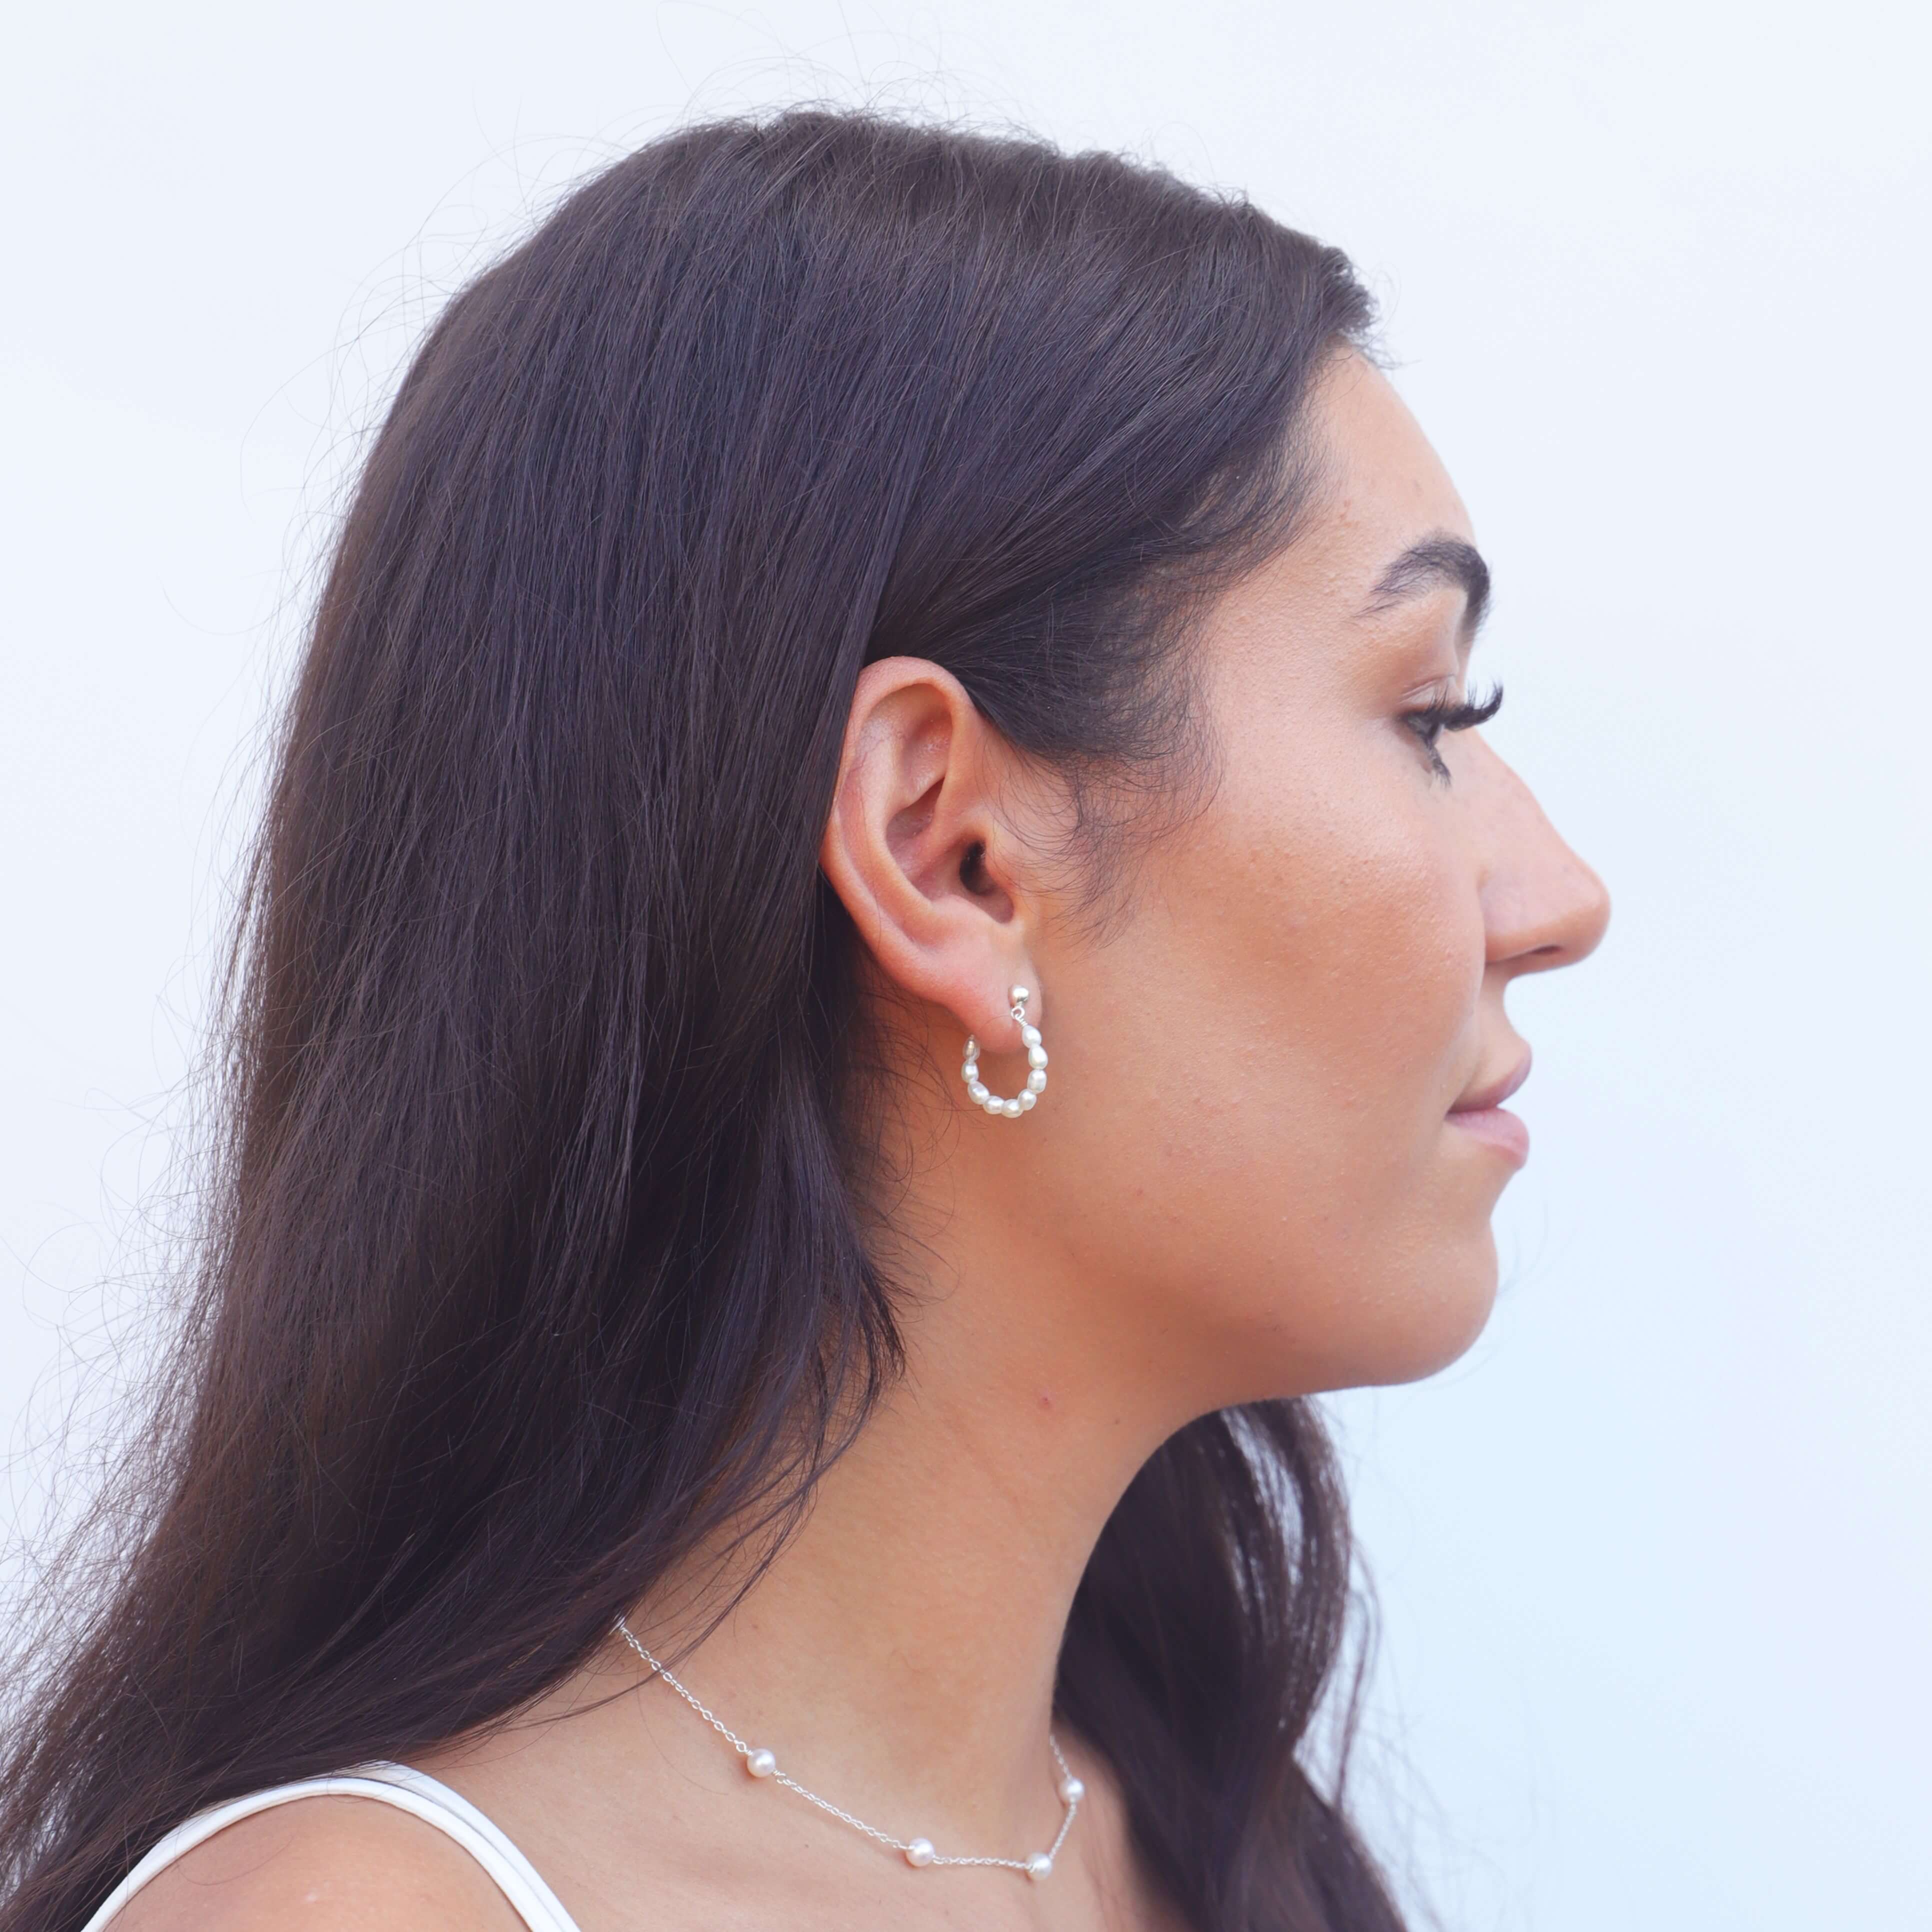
1246 1178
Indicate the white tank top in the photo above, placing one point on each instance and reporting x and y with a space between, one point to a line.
411 1791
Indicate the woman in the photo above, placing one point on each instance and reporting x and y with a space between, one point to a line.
880 939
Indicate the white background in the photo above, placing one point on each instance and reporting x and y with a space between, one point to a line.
1655 1561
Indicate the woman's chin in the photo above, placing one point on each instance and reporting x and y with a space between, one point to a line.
1446 1316
1415 1330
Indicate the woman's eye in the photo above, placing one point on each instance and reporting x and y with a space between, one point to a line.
1431 720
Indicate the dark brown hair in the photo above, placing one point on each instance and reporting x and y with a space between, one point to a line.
533 1254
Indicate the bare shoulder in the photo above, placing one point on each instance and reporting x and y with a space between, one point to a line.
331 1864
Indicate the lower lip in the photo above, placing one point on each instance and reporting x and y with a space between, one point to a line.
1499 1127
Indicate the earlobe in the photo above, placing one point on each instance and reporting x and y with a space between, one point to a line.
911 845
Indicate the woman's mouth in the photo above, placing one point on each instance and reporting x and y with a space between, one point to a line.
1482 1114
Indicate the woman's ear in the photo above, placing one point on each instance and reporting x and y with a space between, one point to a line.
914 849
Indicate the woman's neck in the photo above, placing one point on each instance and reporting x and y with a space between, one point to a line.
898 1655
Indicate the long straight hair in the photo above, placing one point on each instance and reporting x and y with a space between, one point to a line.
533 1255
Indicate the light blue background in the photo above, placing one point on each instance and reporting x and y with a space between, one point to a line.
1655 1561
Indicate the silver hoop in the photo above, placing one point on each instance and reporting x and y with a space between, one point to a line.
1035 1054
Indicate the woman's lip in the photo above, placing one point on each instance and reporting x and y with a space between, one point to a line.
1494 1094
1502 1129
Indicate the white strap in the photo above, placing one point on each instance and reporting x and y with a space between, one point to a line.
398 1785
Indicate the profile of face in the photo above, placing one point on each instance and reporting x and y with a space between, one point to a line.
1267 1155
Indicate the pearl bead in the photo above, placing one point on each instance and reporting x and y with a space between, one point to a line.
761 1763
1029 1036
1028 1101
1036 1081
1017 996
994 1104
920 1852
1071 1789
1036 1056
1039 1866
978 1090
1011 1108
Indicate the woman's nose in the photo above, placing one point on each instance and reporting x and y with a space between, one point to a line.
1543 907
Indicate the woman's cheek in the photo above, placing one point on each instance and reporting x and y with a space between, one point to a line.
1404 956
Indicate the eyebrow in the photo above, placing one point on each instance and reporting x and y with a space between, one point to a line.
1434 562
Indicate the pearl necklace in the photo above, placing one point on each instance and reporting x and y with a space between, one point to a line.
917 1851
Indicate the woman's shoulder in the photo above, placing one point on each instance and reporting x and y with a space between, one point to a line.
331 1859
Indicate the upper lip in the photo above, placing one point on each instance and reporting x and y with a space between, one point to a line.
1497 1091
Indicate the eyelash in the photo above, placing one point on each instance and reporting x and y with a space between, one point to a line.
1432 720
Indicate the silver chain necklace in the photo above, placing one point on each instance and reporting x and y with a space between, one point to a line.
916 1852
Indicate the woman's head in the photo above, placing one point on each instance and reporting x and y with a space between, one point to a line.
578 1035
1264 1174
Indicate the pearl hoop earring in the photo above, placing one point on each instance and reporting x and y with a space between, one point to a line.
1036 1083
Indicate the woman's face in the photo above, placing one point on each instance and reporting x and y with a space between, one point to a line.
1271 1082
